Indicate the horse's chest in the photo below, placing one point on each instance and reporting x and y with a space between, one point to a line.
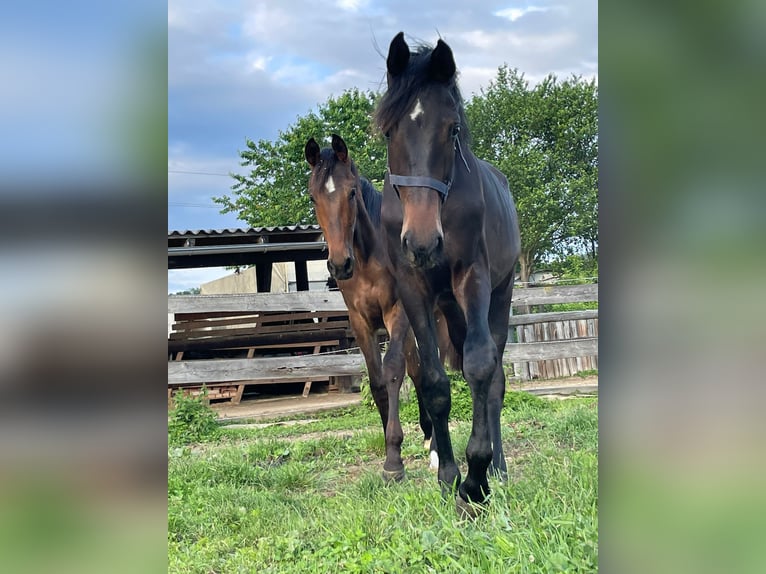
370 296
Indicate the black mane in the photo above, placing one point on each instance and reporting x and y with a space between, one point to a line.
405 87
372 200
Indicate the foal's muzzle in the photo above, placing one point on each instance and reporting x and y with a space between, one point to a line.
343 271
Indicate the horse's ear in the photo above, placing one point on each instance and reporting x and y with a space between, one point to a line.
442 65
312 152
398 55
339 147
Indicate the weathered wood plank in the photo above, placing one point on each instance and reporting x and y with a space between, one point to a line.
270 340
333 300
590 389
517 352
533 318
275 368
295 329
260 319
555 294
256 302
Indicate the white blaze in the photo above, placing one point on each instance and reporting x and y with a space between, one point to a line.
416 111
330 185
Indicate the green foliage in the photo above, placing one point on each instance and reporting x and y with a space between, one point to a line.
574 268
192 291
545 140
274 192
191 420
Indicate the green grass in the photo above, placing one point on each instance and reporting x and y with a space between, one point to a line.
269 500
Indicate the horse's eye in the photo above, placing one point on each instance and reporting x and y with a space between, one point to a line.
455 130
311 197
353 193
387 135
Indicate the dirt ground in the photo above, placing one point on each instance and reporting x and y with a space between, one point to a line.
268 408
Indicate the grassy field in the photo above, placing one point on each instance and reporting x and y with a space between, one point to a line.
309 498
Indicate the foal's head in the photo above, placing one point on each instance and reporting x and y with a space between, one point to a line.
333 186
422 117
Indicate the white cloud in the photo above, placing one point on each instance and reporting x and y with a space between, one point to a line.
257 62
514 14
352 5
473 78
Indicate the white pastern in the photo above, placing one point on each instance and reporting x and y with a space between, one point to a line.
434 458
417 111
330 185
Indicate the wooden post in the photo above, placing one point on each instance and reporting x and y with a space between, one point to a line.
301 276
263 277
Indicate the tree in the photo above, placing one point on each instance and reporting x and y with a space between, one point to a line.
545 140
274 192
192 291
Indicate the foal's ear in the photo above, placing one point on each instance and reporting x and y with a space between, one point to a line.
442 65
398 55
312 152
339 147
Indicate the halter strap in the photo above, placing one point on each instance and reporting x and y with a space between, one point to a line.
442 187
420 181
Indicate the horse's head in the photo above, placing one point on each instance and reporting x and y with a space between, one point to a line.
333 186
421 115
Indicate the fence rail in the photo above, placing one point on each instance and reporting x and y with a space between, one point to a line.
553 344
541 345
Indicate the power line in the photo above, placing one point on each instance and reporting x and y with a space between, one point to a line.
177 204
198 172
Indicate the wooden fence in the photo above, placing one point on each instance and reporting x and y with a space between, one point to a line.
548 345
258 324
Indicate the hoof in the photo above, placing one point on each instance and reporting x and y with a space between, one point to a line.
390 476
467 510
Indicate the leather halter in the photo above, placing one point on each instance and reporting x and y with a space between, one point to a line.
442 187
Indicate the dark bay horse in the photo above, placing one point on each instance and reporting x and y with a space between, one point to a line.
347 207
453 240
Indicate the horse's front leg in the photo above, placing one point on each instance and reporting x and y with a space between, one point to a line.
393 374
366 340
480 362
435 383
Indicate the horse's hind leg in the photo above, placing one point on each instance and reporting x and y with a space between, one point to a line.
416 374
365 338
499 313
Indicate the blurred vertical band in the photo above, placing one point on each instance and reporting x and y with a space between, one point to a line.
682 231
83 148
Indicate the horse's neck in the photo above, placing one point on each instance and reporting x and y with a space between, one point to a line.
365 234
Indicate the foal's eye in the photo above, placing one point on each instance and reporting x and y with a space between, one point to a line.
353 193
387 135
311 197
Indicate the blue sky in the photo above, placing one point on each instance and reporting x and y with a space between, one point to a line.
247 69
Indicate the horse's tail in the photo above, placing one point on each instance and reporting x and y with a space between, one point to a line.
451 356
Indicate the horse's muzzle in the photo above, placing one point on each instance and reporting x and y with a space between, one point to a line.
422 255
343 271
